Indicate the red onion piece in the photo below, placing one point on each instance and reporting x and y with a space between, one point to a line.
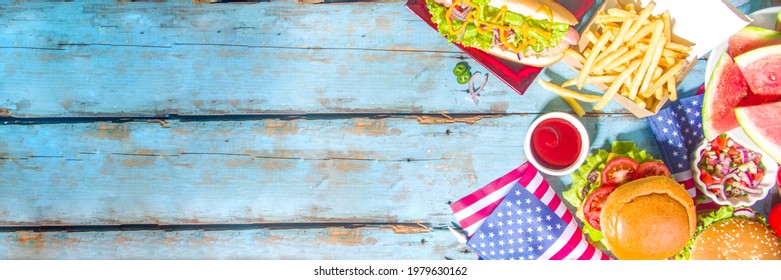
748 190
744 212
719 188
471 85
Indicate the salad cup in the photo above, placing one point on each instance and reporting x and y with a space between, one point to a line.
764 187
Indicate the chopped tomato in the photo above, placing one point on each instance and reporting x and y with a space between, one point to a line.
720 143
651 168
760 174
706 178
733 152
619 171
594 204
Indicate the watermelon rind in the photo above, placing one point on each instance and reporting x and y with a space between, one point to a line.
710 98
778 21
750 38
760 55
751 126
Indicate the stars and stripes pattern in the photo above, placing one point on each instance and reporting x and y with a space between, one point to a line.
520 217
678 132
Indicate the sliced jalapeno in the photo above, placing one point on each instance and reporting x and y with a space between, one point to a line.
464 78
461 68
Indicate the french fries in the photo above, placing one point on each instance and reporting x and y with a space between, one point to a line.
568 93
575 106
592 58
629 52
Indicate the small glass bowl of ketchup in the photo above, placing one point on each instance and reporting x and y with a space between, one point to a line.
556 144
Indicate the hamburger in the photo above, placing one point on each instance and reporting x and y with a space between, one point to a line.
732 234
630 205
648 219
527 32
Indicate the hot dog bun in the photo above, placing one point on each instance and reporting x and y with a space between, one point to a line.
537 61
532 8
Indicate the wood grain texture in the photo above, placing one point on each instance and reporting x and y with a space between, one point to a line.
122 60
159 59
364 243
265 171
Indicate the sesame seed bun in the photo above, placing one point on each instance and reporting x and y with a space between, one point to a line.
651 218
736 239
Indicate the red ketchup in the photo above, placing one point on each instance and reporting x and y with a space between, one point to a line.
556 143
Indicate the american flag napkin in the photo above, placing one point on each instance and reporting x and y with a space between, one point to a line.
520 217
678 131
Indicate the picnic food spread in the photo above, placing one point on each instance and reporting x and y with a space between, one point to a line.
630 204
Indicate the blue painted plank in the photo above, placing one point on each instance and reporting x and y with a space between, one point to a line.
364 243
83 60
377 26
265 171
188 80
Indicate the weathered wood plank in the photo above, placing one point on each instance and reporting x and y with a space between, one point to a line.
377 26
84 60
296 244
265 171
215 80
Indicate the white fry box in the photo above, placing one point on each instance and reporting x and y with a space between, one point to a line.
700 24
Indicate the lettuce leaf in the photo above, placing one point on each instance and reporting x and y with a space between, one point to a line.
574 195
580 184
475 39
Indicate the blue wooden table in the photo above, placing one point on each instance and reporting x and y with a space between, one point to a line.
272 130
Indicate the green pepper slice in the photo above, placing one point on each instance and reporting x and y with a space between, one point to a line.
464 78
461 68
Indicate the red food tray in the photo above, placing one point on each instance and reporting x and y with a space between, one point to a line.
518 77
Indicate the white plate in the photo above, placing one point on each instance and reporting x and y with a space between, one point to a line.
767 184
765 18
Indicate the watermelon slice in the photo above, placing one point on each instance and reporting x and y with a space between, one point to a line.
762 124
762 70
751 38
726 88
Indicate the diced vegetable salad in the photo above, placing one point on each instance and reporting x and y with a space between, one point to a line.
730 170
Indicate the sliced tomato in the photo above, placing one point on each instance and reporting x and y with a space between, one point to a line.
774 220
706 178
760 175
733 152
651 168
720 143
594 204
619 171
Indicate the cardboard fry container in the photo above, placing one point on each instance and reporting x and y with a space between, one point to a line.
702 25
